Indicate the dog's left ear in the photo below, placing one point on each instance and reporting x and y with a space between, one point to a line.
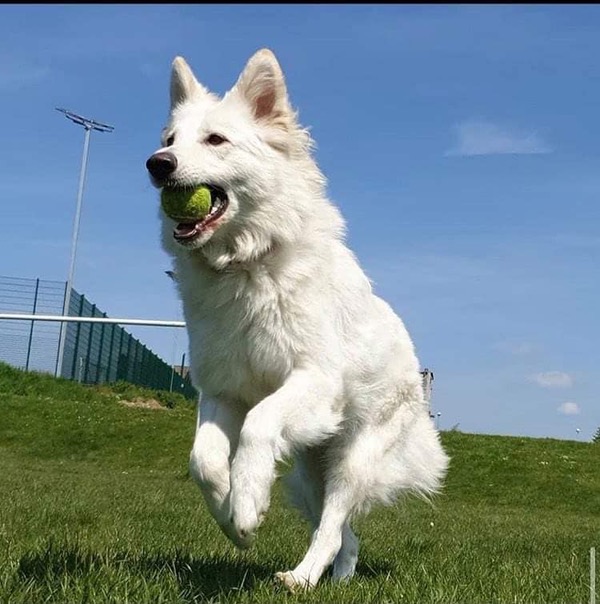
184 84
262 85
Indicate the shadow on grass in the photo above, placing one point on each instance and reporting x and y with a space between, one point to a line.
58 566
209 577
373 569
198 577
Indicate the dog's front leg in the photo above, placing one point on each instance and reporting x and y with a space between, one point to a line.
301 413
217 435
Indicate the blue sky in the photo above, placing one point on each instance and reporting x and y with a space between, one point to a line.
460 142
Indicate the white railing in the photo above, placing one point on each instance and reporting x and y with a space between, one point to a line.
69 319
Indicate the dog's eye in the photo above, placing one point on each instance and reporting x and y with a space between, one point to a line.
169 142
215 139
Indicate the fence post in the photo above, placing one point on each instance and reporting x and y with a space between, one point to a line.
35 299
134 363
89 348
110 352
74 365
181 375
140 364
164 373
144 366
172 377
62 326
99 364
159 372
142 369
150 373
152 370
131 354
119 372
142 373
129 364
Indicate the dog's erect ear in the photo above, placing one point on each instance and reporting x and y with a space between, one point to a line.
262 85
184 84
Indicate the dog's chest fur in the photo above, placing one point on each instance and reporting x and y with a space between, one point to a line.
245 332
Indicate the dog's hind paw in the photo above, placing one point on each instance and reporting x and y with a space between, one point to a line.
344 564
291 583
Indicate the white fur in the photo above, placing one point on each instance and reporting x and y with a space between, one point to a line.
292 351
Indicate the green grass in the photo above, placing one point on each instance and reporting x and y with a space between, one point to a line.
96 505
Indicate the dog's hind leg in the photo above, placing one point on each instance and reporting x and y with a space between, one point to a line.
306 486
344 564
326 542
217 434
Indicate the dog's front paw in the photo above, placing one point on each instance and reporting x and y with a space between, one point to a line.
242 541
249 497
247 513
293 583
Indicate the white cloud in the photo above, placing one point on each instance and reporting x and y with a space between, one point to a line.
569 408
480 137
552 379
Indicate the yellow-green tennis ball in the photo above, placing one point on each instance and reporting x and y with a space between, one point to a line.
186 203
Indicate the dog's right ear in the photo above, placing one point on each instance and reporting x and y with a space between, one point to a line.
184 84
262 86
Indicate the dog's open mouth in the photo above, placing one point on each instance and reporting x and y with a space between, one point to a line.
187 230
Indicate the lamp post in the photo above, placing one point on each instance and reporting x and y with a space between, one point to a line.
88 126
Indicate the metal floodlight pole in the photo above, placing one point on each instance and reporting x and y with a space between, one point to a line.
88 125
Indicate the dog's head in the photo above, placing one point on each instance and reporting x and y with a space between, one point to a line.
250 150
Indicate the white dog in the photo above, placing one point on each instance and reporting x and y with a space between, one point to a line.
292 352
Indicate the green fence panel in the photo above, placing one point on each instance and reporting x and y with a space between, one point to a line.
94 353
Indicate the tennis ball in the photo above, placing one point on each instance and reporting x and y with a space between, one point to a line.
186 203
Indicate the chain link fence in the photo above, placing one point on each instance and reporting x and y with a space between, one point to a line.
94 353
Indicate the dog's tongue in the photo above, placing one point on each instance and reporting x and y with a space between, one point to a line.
185 229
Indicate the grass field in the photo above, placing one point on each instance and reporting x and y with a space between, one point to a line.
96 506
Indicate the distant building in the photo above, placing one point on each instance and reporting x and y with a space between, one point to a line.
427 379
182 370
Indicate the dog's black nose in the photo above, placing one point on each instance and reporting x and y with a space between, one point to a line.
161 164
